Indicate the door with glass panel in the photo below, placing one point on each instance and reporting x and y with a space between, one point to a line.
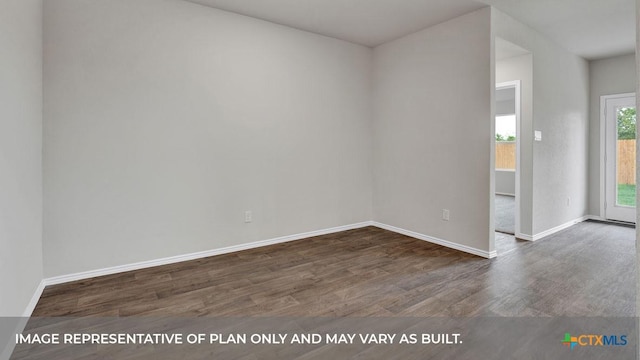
620 157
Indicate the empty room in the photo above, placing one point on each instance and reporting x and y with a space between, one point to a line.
289 179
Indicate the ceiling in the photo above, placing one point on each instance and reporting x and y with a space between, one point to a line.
366 22
593 29
590 28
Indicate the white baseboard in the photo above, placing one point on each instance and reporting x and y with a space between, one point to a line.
34 299
505 194
21 322
558 228
198 255
203 254
596 217
609 221
431 239
522 236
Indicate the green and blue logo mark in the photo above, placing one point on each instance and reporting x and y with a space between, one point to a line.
593 340
570 341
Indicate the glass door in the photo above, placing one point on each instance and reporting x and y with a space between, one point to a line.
620 158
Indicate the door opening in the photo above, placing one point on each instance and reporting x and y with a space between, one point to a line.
507 157
619 156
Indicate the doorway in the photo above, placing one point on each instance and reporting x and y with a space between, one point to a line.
619 122
507 134
513 82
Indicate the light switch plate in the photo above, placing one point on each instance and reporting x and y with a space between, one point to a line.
538 135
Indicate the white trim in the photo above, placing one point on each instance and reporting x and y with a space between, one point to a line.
516 84
22 321
522 236
198 255
34 299
603 149
431 239
615 222
193 256
505 194
596 217
603 117
558 228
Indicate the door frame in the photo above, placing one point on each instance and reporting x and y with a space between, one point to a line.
515 84
603 147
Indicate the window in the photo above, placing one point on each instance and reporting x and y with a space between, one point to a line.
506 142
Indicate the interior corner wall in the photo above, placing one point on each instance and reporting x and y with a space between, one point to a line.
167 120
432 131
511 69
20 154
559 169
609 76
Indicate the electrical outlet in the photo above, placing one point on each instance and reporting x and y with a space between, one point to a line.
568 201
248 217
445 214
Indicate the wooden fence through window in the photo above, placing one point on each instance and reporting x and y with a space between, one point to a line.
506 155
626 162
506 159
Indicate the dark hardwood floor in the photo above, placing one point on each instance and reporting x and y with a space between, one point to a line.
587 270
506 243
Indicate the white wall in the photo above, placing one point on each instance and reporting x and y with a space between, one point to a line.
20 154
432 150
506 107
505 100
506 182
559 168
607 77
511 69
637 77
166 120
